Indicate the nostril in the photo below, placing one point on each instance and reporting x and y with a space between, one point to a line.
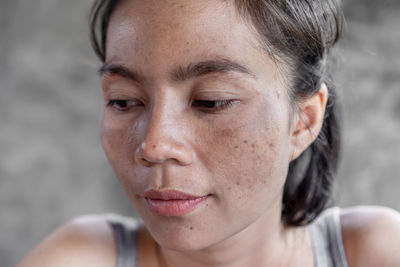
145 162
141 159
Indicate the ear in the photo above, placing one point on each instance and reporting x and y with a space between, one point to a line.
308 121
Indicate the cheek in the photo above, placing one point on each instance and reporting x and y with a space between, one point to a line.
112 137
119 145
248 159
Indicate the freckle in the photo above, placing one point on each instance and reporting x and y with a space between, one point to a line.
227 132
271 145
191 227
236 146
153 146
245 141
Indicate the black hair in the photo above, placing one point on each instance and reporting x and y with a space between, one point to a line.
302 33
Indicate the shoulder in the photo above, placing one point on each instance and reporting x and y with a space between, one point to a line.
371 236
83 241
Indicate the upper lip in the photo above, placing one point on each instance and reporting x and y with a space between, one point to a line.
169 195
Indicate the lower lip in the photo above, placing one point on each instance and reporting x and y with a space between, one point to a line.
174 207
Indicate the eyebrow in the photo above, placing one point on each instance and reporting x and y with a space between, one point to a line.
181 73
120 70
207 67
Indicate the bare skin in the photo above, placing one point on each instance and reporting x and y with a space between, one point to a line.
192 108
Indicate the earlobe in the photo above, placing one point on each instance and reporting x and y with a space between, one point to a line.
308 122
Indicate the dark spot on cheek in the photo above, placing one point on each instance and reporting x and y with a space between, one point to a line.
154 146
271 146
236 146
245 141
227 133
191 227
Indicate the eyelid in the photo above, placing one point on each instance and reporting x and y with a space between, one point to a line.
123 92
117 87
215 95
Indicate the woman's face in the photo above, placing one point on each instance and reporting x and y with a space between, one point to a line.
194 104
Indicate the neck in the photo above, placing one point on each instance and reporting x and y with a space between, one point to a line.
264 241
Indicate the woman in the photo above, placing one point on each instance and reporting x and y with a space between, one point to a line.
221 123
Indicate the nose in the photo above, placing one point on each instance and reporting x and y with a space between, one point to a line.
164 140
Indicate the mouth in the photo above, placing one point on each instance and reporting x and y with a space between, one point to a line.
172 202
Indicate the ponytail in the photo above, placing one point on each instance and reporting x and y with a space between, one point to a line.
310 177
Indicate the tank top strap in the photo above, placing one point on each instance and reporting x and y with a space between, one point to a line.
125 232
326 238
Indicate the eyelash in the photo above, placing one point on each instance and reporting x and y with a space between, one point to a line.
213 105
206 105
127 104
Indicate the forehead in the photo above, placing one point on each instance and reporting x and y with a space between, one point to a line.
156 34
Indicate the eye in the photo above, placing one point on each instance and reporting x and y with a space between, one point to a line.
123 104
213 105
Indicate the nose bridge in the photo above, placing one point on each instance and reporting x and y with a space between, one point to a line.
161 128
163 139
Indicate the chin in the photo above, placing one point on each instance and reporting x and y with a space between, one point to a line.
179 236
179 241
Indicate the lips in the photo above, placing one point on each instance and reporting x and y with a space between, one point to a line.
172 202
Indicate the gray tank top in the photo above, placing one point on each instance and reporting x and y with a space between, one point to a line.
325 231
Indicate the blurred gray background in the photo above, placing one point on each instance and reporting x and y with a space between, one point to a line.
52 166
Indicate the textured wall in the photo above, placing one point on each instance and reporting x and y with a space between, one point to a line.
51 163
369 77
